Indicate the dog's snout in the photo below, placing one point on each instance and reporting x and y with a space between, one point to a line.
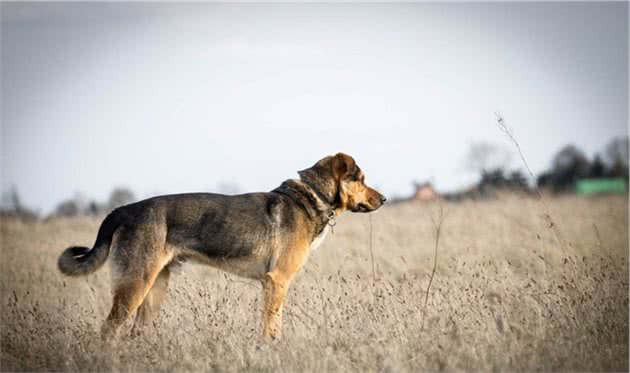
383 199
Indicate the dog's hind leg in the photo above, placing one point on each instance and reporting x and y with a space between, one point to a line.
130 290
138 258
127 297
150 307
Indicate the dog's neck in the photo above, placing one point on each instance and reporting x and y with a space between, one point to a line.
316 204
328 201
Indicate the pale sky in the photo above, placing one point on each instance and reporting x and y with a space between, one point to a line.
170 98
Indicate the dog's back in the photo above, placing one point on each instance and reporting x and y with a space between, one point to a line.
199 225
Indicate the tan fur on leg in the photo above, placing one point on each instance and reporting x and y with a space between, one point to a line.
150 307
128 296
274 293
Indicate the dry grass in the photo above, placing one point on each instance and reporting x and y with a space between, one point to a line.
502 298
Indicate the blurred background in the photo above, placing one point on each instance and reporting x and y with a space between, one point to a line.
106 103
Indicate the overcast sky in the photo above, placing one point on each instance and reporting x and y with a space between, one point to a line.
167 98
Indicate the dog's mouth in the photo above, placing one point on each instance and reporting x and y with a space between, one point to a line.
362 207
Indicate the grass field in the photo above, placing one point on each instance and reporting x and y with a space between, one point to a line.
504 297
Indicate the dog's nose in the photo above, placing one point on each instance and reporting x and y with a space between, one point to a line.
383 199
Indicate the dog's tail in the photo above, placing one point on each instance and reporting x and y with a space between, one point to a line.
79 260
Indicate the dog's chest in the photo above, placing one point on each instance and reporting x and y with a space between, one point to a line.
319 238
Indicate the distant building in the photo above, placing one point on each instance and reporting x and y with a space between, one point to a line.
424 192
601 186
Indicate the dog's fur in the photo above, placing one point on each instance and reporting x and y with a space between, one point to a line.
263 236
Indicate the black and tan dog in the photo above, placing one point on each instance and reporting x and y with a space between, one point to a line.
263 236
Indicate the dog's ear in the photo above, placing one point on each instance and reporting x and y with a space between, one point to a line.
316 171
342 165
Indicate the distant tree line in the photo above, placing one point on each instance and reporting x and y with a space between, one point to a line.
492 181
571 164
11 205
490 162
77 206
568 165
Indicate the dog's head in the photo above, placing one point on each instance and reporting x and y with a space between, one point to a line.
342 182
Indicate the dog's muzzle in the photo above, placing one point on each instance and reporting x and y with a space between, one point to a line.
368 207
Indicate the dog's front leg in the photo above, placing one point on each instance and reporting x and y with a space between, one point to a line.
276 283
275 288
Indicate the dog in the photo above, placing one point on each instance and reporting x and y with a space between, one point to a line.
262 236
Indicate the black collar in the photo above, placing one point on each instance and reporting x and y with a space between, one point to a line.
330 206
310 198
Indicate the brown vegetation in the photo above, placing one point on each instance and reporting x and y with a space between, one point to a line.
504 297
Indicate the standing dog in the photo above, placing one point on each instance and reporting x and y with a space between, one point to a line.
263 236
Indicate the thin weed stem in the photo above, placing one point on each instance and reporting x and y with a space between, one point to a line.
552 225
372 252
437 227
